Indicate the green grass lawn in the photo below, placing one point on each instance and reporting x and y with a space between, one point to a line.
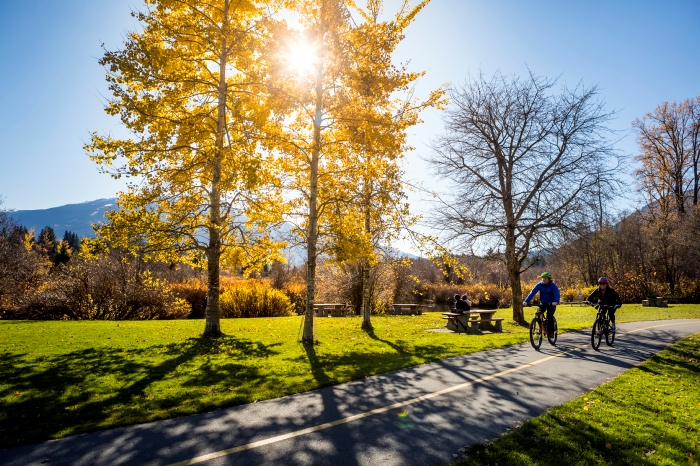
64 378
648 415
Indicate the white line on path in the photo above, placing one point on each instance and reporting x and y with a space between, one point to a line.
345 420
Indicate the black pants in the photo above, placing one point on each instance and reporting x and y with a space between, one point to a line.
551 309
611 314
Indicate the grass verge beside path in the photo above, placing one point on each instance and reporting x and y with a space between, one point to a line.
648 415
65 378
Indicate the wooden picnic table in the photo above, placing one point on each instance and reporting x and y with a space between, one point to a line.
330 310
473 321
658 301
408 309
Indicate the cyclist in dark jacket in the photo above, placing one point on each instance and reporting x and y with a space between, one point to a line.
549 298
607 296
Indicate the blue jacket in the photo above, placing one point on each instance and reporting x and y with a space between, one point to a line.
549 293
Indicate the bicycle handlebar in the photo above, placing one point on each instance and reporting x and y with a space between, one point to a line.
599 305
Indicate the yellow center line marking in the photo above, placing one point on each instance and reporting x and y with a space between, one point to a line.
383 409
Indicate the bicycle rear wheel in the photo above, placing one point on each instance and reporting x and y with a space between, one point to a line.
609 336
596 334
555 333
535 333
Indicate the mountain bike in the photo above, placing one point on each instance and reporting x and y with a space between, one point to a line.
538 327
602 326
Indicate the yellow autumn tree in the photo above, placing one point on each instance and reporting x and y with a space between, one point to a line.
382 109
344 130
189 89
310 85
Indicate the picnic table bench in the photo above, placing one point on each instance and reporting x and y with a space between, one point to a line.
658 301
330 310
407 309
473 321
577 303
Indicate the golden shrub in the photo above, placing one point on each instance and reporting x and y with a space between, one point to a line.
254 299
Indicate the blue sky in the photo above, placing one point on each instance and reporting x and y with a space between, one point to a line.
640 53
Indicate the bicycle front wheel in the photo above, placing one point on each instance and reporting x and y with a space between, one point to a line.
555 333
535 333
596 334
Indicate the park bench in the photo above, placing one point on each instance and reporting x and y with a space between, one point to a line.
330 310
407 309
473 321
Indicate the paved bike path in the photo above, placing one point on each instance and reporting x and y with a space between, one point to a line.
417 416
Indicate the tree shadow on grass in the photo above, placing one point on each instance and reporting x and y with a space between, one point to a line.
317 371
97 388
396 347
674 356
523 324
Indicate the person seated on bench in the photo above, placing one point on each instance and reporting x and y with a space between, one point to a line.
467 303
463 304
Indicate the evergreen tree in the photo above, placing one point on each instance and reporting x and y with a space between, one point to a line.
47 241
62 253
72 239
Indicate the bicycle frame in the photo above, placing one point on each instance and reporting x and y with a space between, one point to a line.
603 315
538 327
542 313
601 326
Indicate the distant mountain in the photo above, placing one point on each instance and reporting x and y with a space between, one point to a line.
77 218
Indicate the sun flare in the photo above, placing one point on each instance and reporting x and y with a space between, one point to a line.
302 57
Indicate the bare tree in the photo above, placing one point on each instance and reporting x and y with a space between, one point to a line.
669 152
669 143
521 162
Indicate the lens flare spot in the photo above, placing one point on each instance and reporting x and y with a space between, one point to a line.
403 413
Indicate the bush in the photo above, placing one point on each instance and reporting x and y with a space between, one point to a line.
256 299
485 296
572 294
105 288
194 292
23 267
296 292
342 283
233 301
632 288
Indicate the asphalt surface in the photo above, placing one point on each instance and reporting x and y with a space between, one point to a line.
417 416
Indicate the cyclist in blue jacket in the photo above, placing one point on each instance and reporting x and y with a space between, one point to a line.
549 298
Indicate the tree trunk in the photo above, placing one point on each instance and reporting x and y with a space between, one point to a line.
312 237
696 182
513 265
516 288
366 306
212 325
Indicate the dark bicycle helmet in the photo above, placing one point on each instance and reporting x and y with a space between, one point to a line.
603 280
